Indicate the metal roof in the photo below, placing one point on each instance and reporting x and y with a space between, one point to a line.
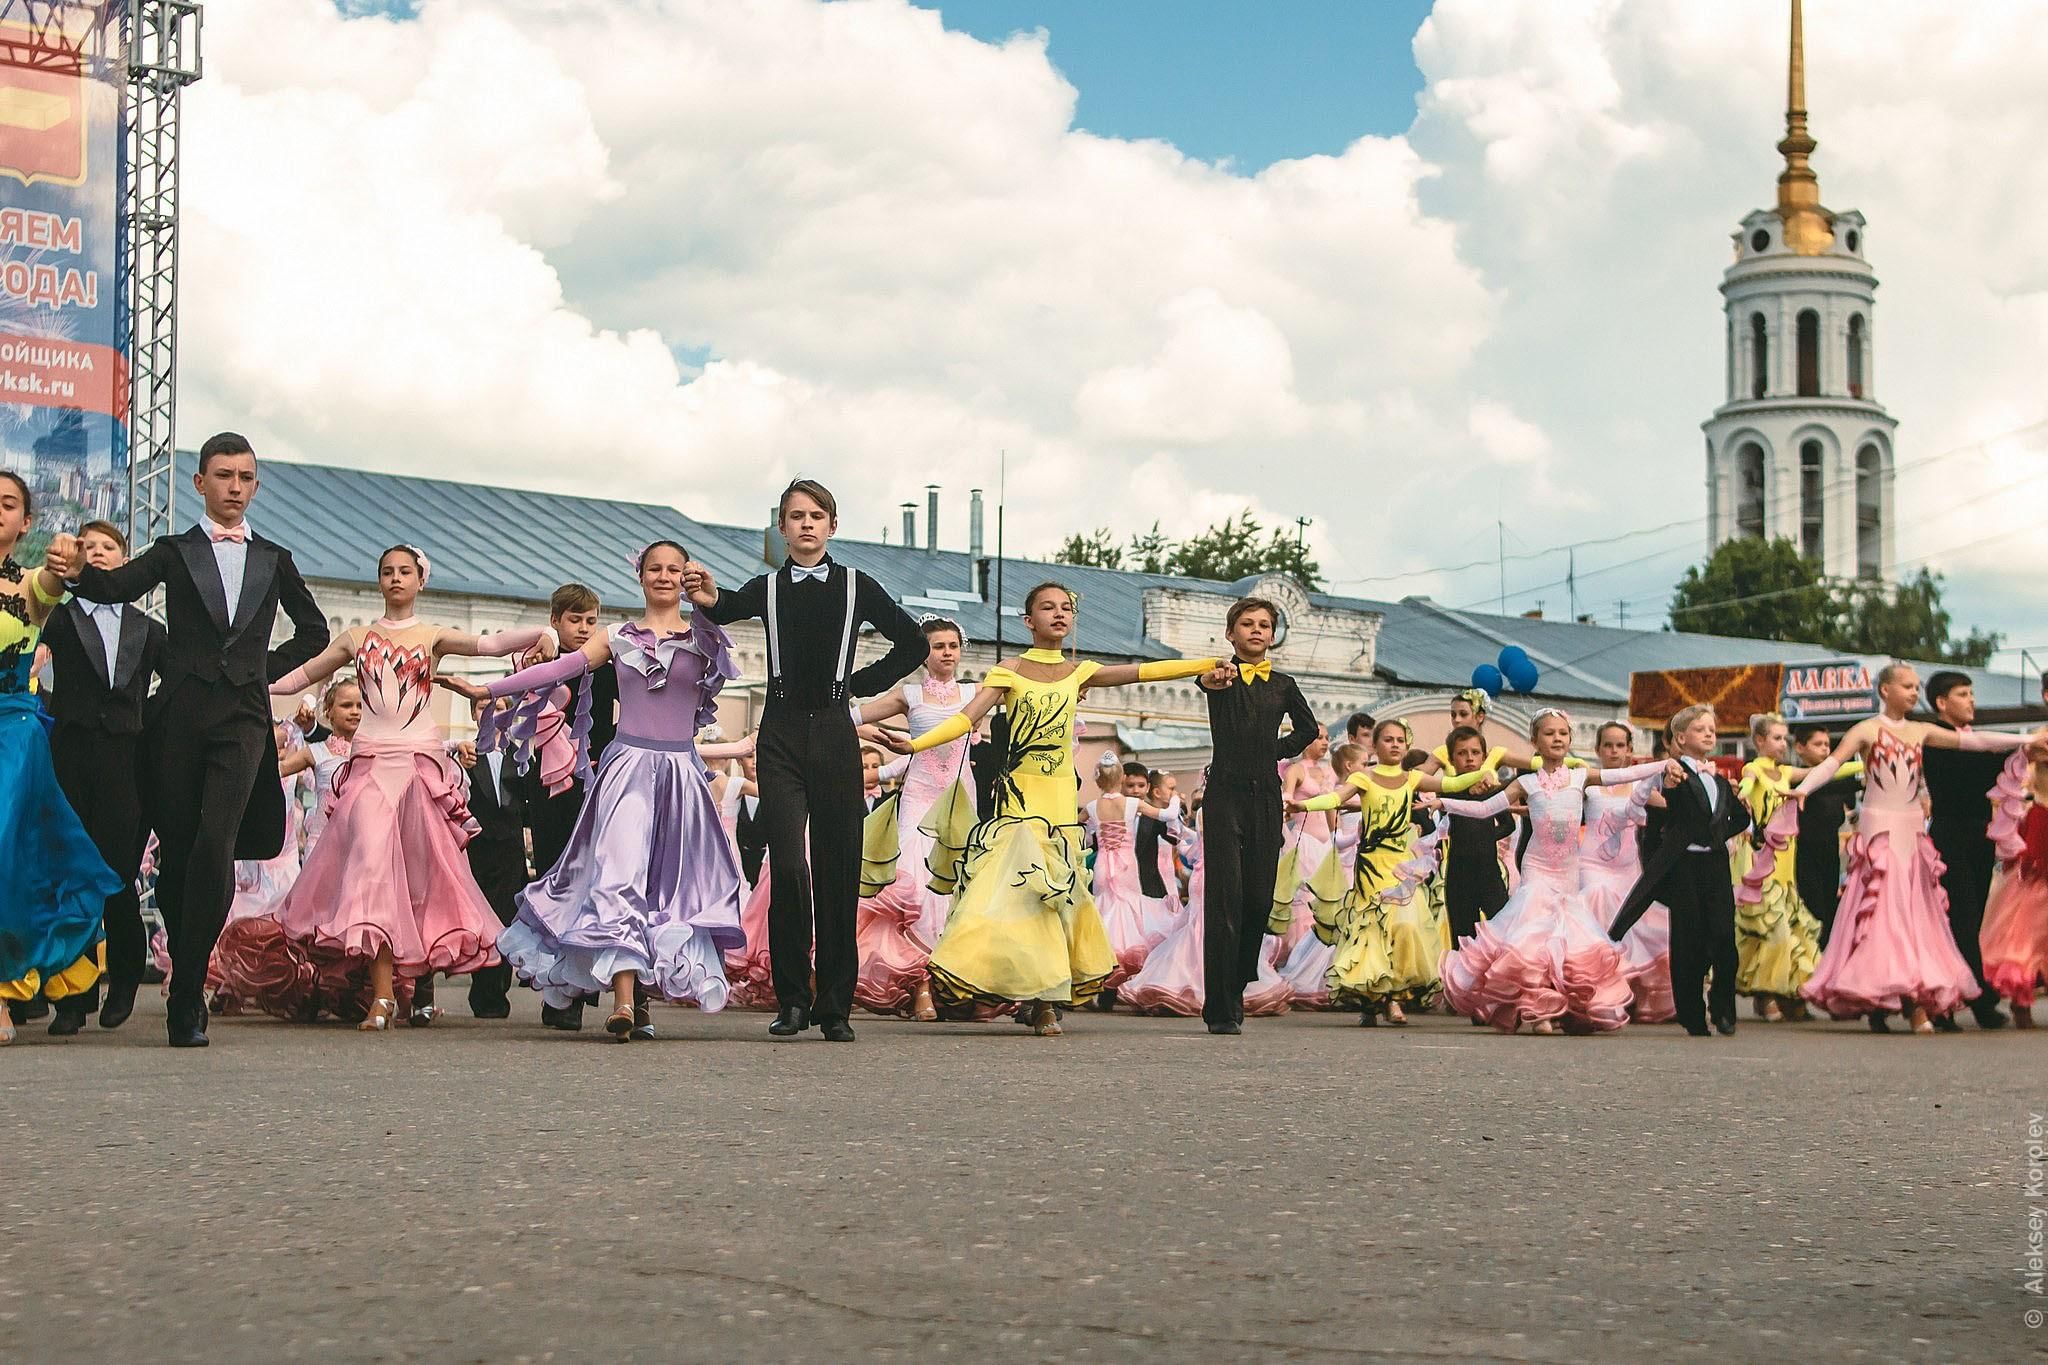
519 544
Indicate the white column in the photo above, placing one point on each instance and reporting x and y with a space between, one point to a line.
1841 513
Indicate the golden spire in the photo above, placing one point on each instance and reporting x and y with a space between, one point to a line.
1809 228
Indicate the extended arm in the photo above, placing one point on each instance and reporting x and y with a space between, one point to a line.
738 748
956 726
1852 744
882 708
1980 741
1480 810
1155 670
728 606
137 578
513 642
318 670
907 646
1621 777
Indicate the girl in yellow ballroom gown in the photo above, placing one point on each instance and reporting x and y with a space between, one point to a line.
1023 929
53 883
1387 947
1777 939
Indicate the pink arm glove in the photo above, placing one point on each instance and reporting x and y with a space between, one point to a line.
510 641
1819 777
294 681
1617 777
1991 741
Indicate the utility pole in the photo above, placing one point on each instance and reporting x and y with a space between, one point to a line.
1571 581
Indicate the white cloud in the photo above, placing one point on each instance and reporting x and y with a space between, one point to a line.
480 237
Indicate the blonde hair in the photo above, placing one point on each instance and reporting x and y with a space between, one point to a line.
1761 722
1684 719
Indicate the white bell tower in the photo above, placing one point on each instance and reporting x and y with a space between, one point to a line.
1802 448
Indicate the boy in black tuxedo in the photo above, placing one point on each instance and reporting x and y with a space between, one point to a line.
208 748
103 658
1241 811
1688 872
497 859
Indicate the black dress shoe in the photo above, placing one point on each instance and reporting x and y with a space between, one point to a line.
1724 1025
1990 1019
1946 1023
489 1010
836 1031
569 1018
791 1021
1227 1027
1878 1022
119 1004
1698 1031
67 1020
187 1030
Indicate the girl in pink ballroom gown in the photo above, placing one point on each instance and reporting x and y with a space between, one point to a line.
1307 835
1610 864
2015 937
935 810
1891 948
748 972
1545 959
1135 925
261 969
1307 967
1170 982
387 891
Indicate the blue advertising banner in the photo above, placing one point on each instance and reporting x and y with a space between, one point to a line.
63 342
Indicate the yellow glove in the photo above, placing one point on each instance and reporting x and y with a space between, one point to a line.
1327 801
1462 782
955 726
35 585
1171 670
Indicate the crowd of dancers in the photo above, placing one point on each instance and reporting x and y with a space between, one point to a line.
913 846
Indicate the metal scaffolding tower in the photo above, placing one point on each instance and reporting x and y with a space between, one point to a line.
161 38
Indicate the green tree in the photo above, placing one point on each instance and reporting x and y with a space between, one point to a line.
1096 550
1908 621
1152 551
1237 549
1762 589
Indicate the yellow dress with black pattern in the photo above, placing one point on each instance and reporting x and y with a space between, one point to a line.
1384 951
53 883
1024 926
1777 940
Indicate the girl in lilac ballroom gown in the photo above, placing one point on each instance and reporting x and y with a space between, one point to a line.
1545 959
645 900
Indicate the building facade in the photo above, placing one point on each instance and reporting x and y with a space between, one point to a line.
1801 448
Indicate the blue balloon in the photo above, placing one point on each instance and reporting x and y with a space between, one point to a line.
1488 679
1512 657
1524 676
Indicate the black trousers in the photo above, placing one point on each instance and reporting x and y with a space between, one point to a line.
1968 861
101 776
1241 836
554 820
1473 890
1819 875
499 866
807 764
1700 895
201 751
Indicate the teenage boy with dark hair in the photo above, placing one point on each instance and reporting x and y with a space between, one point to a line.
1959 783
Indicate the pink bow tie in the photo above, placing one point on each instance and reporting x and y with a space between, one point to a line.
238 534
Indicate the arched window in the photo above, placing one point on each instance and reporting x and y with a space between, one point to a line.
1809 353
1812 538
1869 513
1759 356
1749 491
1856 356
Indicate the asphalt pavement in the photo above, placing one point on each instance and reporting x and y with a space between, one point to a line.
1134 1190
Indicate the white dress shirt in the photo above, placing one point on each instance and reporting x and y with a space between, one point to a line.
106 617
1706 777
232 557
494 764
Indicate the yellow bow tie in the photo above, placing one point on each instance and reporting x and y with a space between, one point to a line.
1253 672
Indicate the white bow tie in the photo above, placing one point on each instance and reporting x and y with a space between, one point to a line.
798 573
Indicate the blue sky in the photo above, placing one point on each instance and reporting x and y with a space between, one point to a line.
1255 83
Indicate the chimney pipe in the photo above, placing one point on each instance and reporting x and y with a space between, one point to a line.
773 548
910 525
931 516
974 584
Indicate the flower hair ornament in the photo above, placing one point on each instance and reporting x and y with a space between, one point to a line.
1476 698
426 565
1557 711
